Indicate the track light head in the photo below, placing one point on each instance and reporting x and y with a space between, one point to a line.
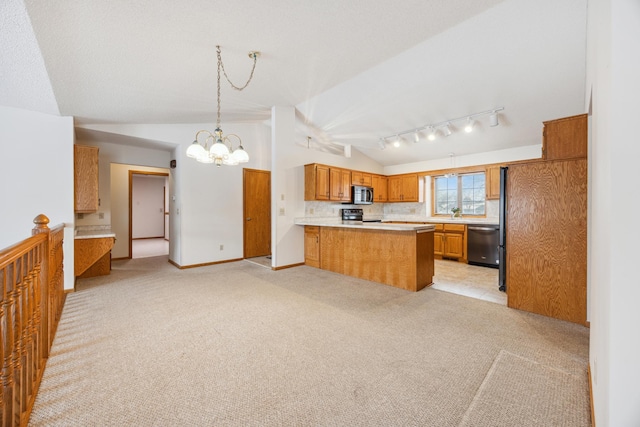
493 119
431 136
416 137
468 128
446 130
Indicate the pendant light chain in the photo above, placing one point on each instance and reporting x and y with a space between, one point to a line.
254 55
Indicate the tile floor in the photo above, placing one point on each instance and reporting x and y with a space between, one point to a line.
468 280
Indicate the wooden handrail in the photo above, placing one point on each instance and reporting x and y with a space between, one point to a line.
31 302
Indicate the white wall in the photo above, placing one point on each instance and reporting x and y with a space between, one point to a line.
36 176
501 156
147 210
206 200
287 183
612 78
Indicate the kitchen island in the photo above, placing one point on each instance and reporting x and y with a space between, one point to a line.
399 255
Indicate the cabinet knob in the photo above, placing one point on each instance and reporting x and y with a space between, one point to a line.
248 218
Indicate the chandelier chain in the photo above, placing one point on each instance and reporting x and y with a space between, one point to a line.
221 65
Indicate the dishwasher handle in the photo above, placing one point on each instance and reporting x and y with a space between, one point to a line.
470 227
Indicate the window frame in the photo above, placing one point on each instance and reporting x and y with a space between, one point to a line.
459 191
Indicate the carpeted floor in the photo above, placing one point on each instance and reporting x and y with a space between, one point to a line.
238 344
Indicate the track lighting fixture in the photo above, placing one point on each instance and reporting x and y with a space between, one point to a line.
382 144
493 119
431 136
445 127
469 126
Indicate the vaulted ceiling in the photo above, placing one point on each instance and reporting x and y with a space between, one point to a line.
356 71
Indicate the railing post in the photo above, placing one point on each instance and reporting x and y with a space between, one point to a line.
44 307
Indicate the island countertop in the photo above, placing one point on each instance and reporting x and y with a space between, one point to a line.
364 225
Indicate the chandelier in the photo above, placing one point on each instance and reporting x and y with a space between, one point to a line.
214 147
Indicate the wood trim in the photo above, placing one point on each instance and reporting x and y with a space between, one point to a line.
282 267
204 264
593 412
131 173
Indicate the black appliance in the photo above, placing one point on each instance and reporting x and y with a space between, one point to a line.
351 214
482 244
361 195
502 243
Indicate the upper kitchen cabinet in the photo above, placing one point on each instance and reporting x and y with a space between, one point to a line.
323 182
85 179
565 138
493 182
361 178
403 188
379 184
340 183
316 182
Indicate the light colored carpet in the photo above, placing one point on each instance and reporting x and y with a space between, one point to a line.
542 387
238 344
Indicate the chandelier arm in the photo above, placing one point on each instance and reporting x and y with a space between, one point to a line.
254 55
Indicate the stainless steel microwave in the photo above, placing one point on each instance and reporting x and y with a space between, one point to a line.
361 195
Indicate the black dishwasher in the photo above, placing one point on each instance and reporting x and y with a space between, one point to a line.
482 244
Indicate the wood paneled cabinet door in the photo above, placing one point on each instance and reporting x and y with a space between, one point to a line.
379 184
403 188
316 182
565 138
312 246
453 245
438 243
361 178
340 183
493 182
85 183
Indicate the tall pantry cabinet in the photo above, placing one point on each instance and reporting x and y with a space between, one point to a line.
546 241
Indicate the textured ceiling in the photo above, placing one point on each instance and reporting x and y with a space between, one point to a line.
356 70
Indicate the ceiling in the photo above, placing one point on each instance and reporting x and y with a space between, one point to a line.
356 71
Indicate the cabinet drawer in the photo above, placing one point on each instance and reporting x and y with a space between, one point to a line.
311 229
454 227
439 226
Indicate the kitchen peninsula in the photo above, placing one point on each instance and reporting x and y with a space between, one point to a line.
399 255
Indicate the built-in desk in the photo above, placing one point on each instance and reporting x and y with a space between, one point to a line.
92 251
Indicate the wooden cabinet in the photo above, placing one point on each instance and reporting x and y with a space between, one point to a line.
492 183
312 246
316 182
85 183
547 238
323 182
450 241
361 178
403 188
379 184
340 184
565 138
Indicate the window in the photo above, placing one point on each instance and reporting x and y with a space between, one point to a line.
465 191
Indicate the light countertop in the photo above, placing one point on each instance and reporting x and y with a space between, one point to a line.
93 232
320 222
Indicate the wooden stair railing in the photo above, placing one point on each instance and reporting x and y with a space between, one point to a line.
31 301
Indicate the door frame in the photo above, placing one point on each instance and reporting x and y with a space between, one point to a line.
131 173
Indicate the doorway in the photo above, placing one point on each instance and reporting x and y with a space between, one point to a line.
148 214
257 213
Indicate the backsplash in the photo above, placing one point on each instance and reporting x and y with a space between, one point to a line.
314 209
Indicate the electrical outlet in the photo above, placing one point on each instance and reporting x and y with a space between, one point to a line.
281 211
311 211
101 215
412 211
221 247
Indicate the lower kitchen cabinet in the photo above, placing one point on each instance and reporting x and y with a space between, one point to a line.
312 246
449 241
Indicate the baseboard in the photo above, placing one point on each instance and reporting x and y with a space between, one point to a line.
593 413
282 267
121 258
144 238
182 267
